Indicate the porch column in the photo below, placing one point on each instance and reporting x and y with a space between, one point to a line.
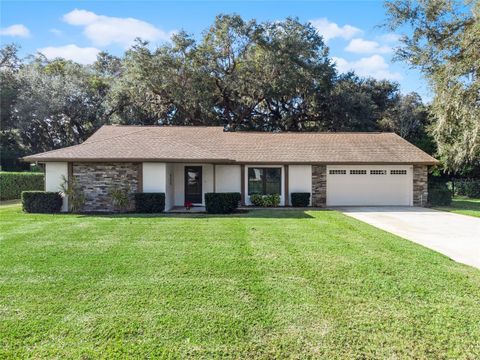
140 178
286 197
214 179
242 184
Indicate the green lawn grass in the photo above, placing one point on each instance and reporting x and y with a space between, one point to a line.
266 284
463 205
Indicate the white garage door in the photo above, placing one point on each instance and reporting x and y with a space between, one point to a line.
369 185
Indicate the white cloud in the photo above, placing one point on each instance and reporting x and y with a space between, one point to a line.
15 30
361 46
105 30
86 55
374 66
56 32
80 17
390 37
330 30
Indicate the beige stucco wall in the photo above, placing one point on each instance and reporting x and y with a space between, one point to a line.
228 178
154 177
300 179
54 173
158 177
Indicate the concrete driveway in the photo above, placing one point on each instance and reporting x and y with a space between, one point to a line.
456 236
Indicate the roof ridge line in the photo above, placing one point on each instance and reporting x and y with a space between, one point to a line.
165 126
251 131
109 138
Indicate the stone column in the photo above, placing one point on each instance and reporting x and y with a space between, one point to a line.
319 185
420 185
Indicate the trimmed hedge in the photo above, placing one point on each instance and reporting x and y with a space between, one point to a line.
41 202
13 183
221 203
468 187
300 199
149 202
439 195
272 200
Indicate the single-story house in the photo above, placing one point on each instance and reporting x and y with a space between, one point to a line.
337 169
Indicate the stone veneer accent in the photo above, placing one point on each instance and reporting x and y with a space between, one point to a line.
319 185
95 179
420 185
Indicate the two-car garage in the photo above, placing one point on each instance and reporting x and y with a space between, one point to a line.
369 185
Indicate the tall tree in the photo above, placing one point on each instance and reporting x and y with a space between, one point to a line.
266 75
358 104
409 118
242 75
59 103
9 67
270 76
444 44
10 143
164 86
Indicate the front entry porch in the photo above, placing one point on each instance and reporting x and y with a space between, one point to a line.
183 210
189 182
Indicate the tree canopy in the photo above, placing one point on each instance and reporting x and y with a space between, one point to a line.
444 44
243 75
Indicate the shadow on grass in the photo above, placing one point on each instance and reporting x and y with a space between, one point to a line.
383 209
261 214
466 204
10 202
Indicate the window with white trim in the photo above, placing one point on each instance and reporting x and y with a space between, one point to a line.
337 172
378 172
358 172
398 172
264 181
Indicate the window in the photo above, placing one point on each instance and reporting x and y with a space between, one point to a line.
338 172
398 172
378 172
358 172
264 181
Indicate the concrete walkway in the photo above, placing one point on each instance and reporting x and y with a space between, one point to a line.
456 236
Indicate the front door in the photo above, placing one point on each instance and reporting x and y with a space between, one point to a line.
193 184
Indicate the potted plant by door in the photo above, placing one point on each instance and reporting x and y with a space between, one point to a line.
188 205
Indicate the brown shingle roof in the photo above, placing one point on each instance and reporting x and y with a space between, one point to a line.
212 144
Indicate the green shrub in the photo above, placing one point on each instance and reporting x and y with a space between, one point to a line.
149 202
256 200
221 203
120 197
76 197
41 202
439 195
300 199
468 187
13 183
272 200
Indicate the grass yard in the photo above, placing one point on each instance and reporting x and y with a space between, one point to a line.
463 205
266 284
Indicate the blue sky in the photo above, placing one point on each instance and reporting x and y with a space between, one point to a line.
79 29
